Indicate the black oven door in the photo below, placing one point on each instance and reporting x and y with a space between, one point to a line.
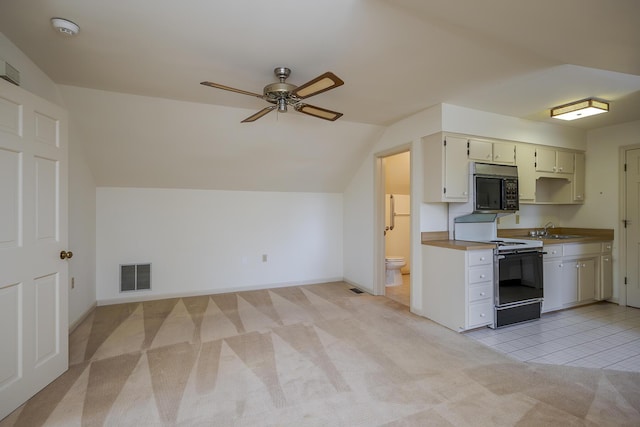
519 277
488 193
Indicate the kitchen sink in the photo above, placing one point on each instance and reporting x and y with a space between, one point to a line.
562 236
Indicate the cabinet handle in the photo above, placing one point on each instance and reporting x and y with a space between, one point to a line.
554 168
560 265
497 156
481 258
560 169
482 314
481 294
482 276
577 265
606 260
464 193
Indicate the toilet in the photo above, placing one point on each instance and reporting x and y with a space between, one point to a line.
393 264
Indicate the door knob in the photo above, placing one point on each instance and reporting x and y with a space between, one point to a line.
66 255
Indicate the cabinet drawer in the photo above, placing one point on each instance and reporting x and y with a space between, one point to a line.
607 247
481 292
480 257
572 249
553 251
480 314
481 274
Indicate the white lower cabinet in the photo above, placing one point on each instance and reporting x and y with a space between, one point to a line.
458 287
605 290
586 279
576 273
553 272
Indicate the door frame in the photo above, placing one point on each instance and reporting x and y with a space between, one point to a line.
379 219
622 247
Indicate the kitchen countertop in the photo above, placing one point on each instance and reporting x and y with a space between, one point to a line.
588 235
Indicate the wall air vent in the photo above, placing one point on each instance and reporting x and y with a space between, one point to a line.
9 73
135 277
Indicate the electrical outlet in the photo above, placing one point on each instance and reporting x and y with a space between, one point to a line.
73 282
264 257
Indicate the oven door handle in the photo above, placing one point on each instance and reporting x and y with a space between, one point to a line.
500 257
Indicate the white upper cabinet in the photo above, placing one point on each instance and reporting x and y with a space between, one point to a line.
578 180
554 161
492 152
546 175
526 162
446 169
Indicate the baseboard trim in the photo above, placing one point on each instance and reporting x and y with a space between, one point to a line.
149 296
84 315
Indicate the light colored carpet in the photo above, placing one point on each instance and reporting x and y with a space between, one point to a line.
316 355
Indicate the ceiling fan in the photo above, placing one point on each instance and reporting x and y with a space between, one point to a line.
283 94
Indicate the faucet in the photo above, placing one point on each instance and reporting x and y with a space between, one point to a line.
547 226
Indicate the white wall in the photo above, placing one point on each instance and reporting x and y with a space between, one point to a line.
210 241
81 186
481 123
602 198
82 229
359 203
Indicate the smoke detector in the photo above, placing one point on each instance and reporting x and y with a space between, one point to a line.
65 26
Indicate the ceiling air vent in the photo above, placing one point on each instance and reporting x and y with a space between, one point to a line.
135 277
9 73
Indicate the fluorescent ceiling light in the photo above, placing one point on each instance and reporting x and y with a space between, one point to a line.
579 109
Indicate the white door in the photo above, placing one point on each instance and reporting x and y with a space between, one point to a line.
33 232
632 215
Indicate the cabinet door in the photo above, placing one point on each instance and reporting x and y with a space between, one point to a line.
586 280
504 153
480 150
552 279
545 160
569 282
564 162
456 170
606 278
526 162
578 178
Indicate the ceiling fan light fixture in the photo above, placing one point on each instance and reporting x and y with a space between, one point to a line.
579 109
282 105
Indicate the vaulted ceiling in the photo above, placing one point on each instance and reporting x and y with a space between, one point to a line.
397 57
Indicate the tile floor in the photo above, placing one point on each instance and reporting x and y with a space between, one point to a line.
601 335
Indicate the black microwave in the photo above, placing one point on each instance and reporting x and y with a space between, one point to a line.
495 188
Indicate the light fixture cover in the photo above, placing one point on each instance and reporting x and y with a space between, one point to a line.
579 109
65 26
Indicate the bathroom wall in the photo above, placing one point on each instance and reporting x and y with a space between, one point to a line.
397 174
397 242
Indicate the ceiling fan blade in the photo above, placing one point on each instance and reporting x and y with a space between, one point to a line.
259 114
318 85
321 113
219 86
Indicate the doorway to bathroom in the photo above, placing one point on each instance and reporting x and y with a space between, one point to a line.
396 174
